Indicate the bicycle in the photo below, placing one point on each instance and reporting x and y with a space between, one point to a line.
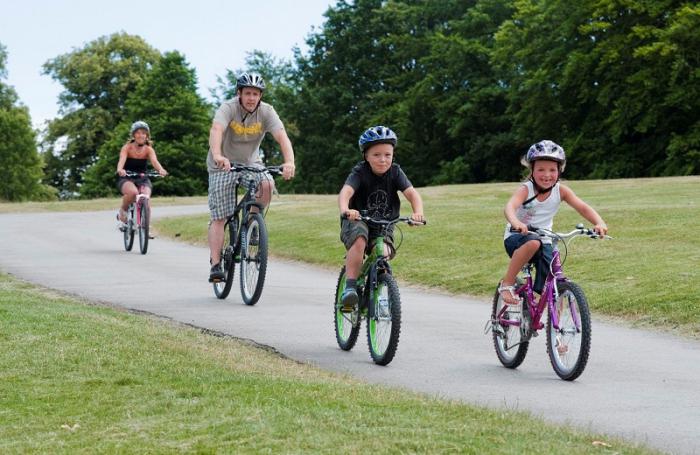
242 226
569 321
379 300
138 216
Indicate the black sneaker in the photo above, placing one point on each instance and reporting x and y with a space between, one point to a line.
216 273
349 300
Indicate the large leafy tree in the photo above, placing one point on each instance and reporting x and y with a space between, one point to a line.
97 79
179 119
19 160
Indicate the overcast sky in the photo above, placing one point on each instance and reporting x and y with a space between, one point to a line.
214 35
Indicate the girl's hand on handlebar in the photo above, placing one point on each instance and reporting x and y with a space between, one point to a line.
519 227
288 171
121 172
163 172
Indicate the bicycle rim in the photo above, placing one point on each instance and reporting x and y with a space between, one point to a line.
253 259
129 230
228 261
347 325
144 226
507 338
384 321
568 347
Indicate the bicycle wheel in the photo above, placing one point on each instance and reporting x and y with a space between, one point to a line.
228 259
508 341
347 325
253 258
144 215
569 345
384 320
129 229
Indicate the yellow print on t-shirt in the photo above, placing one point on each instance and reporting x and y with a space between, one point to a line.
240 129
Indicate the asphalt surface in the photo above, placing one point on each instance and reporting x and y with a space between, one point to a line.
639 385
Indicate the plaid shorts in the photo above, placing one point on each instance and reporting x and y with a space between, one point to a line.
222 199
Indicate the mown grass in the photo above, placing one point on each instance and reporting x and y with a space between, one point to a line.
648 274
81 378
89 204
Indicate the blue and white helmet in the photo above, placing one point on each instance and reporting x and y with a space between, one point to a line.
377 135
140 125
546 150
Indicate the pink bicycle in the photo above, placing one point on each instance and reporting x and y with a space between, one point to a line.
569 321
138 216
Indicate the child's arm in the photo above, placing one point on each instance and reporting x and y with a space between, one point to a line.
122 159
154 162
585 210
416 203
515 201
344 201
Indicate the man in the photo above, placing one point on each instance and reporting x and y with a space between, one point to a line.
236 133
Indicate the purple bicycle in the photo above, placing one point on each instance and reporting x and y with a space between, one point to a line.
569 322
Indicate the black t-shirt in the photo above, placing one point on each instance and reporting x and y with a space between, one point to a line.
377 194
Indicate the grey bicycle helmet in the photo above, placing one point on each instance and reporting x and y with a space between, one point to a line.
377 135
140 125
250 80
546 150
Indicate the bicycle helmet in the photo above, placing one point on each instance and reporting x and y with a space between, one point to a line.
140 125
250 80
377 135
546 150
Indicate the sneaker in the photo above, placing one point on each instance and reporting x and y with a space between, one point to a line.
254 236
120 224
216 273
349 300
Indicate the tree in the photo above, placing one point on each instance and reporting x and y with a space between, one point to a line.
97 80
19 160
179 119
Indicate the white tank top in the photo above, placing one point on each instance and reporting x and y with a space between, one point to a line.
537 213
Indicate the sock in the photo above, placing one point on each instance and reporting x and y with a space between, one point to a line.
350 283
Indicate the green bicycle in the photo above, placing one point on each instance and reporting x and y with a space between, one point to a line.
380 302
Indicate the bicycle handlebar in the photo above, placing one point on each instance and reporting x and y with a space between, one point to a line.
580 230
142 174
275 170
380 222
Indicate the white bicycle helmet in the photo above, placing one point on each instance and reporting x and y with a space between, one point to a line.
140 125
545 150
250 80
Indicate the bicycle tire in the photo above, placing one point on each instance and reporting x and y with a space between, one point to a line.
507 339
228 261
568 364
144 225
129 229
383 330
253 259
347 325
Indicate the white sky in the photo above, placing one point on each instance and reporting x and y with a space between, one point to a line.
214 35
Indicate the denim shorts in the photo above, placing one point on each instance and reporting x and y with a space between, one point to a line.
351 230
541 259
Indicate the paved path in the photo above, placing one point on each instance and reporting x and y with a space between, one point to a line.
639 385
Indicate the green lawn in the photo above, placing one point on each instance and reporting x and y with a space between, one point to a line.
82 378
648 274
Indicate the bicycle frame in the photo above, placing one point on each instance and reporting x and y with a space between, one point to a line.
373 263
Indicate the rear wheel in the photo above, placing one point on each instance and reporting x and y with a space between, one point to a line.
144 215
384 320
228 259
507 333
347 325
569 345
129 229
253 258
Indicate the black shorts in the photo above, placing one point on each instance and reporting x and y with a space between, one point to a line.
541 259
138 181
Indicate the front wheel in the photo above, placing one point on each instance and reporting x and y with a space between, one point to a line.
568 345
508 341
347 325
228 259
384 320
144 222
129 229
253 258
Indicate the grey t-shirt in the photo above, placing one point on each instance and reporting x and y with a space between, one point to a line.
244 131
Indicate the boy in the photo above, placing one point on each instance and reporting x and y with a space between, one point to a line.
372 187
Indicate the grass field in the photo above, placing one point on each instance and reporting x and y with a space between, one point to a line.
648 274
82 378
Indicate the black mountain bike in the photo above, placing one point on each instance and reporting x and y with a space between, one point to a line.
245 238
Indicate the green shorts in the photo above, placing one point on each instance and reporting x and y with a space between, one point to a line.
351 230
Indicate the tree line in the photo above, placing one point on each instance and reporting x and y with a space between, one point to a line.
467 85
